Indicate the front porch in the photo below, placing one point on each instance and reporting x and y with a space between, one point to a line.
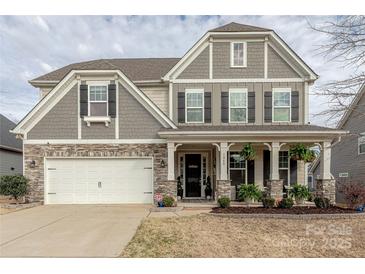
209 166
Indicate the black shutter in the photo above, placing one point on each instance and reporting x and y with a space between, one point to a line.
266 166
293 172
224 107
295 106
251 107
112 100
251 172
268 106
83 100
207 107
181 107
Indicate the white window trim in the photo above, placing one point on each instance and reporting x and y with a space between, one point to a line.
236 168
188 91
361 142
285 168
96 84
237 90
244 54
280 90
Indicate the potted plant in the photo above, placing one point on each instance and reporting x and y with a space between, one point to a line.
298 152
208 189
249 193
248 152
300 193
310 156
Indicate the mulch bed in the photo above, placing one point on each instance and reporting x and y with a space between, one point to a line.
294 210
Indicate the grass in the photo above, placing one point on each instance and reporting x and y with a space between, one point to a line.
205 236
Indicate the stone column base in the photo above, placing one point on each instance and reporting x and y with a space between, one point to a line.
326 188
223 189
275 188
167 187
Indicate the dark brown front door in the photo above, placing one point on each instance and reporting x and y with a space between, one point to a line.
193 175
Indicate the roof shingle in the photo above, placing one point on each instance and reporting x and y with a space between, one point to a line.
235 27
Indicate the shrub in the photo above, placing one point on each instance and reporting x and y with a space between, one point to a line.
224 202
13 185
286 203
300 192
354 193
321 202
168 201
268 202
249 191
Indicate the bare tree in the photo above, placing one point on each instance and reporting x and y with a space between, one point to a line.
345 44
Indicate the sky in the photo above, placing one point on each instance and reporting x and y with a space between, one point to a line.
31 46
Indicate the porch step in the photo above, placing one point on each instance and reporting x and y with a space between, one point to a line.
196 201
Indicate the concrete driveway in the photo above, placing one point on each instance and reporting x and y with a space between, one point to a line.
69 230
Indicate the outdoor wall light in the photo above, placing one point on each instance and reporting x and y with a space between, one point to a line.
32 164
162 164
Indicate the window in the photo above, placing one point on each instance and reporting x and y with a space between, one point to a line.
237 170
98 100
284 166
238 54
281 105
194 106
362 143
238 106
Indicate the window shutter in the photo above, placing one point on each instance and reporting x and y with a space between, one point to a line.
224 106
293 171
207 107
84 100
251 107
295 106
251 172
268 106
181 107
112 89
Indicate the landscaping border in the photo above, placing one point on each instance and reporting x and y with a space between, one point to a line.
291 216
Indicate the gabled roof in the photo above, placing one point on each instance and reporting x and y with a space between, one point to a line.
139 69
235 27
8 140
352 106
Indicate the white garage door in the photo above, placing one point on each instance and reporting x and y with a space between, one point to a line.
98 181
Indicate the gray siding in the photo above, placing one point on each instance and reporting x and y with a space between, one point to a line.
198 68
135 122
345 157
258 88
9 160
60 122
222 61
277 67
98 130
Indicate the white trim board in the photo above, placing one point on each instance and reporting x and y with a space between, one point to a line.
93 141
245 80
48 104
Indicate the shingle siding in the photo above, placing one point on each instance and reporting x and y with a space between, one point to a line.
277 67
222 61
159 95
198 68
60 122
135 122
98 130
9 160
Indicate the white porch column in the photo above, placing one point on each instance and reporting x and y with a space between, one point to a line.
170 161
325 163
274 161
223 161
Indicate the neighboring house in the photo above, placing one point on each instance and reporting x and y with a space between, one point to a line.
348 155
11 158
122 130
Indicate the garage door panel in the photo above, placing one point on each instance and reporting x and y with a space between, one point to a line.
121 180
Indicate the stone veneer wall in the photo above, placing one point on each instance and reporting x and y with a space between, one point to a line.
326 188
275 188
223 188
38 152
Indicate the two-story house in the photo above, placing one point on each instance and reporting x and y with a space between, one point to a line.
122 130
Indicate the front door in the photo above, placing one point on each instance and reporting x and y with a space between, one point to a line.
193 175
